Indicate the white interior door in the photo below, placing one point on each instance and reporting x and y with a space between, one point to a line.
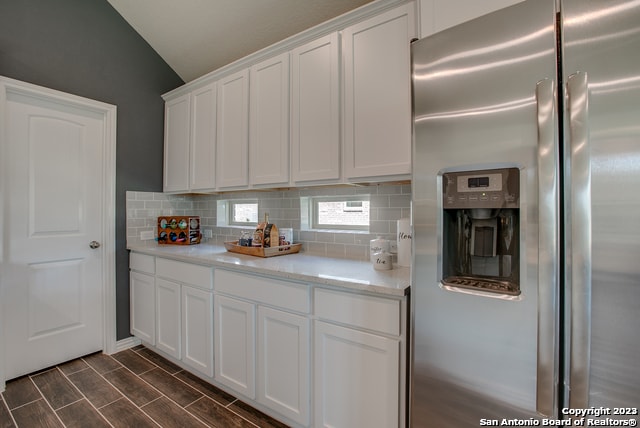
52 280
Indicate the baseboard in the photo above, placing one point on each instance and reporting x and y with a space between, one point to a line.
127 343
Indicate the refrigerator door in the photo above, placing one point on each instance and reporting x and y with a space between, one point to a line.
484 97
601 66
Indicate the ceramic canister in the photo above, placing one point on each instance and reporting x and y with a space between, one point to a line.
378 245
382 261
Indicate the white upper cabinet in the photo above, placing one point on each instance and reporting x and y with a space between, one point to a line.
176 144
315 110
269 121
330 105
203 138
232 148
437 15
190 141
377 95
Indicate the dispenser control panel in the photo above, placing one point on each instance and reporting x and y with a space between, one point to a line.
479 183
497 188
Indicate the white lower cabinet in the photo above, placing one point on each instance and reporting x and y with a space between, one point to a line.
262 341
337 360
359 372
168 317
197 329
235 344
143 316
142 295
185 312
356 378
172 309
270 364
283 363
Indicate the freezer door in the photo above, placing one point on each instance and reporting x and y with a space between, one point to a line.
602 69
484 97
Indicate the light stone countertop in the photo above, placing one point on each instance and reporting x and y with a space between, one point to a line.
344 273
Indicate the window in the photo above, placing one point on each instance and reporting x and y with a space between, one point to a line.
243 212
237 212
337 212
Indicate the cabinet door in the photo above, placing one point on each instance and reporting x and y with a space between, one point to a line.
356 378
235 344
176 144
269 118
283 363
377 121
143 310
203 138
232 143
197 329
168 317
315 110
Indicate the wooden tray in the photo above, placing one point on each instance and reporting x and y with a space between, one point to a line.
233 247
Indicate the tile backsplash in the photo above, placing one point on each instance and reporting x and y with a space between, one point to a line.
389 203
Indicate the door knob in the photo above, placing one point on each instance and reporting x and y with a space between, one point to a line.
94 244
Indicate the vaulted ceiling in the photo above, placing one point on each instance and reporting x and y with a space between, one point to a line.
197 36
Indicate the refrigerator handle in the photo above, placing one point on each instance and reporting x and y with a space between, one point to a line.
548 292
580 214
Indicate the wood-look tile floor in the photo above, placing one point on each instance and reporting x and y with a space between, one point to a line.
133 388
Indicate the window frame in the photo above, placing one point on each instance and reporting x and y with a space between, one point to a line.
314 223
232 204
225 208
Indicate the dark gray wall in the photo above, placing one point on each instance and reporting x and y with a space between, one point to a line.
85 47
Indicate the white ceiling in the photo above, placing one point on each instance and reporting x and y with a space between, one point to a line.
198 36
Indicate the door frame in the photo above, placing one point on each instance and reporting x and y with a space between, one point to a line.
108 244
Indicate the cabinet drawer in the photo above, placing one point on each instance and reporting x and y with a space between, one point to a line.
373 313
283 294
142 263
200 276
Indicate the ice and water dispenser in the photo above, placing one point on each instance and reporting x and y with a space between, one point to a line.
481 239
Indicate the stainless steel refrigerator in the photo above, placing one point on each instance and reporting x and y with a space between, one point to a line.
526 216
